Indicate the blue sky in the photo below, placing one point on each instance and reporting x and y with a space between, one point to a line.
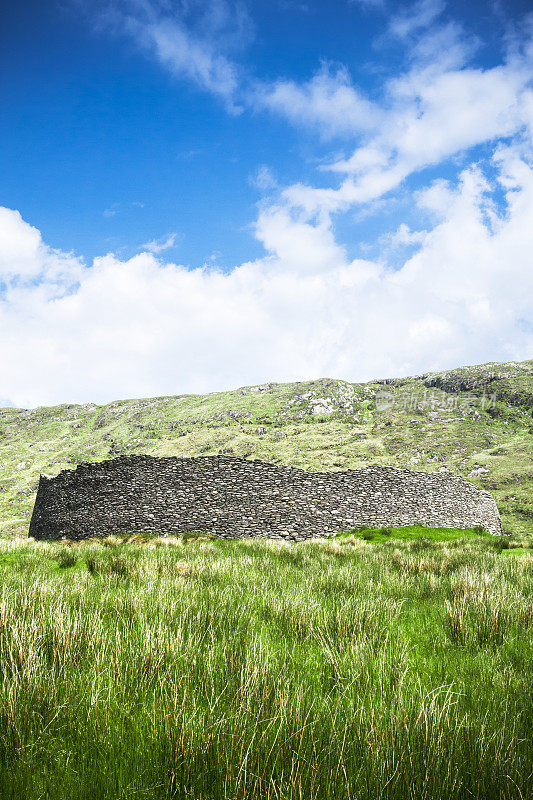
329 186
103 149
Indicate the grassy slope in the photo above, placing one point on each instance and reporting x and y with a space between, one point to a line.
428 422
262 671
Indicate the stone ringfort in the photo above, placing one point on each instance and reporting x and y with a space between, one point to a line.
237 497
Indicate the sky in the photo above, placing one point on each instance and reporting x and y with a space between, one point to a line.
197 195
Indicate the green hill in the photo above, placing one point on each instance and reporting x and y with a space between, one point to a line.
476 421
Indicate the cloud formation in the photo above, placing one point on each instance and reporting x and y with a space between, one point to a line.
327 102
411 19
427 115
142 327
462 294
157 246
194 41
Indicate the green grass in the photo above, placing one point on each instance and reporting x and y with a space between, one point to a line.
411 532
517 551
251 670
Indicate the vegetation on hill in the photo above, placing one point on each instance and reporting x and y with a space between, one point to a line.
189 668
476 421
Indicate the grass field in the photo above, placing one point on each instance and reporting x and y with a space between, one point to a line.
355 668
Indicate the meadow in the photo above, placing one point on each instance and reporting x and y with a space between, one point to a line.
368 666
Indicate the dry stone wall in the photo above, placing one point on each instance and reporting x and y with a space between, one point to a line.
235 498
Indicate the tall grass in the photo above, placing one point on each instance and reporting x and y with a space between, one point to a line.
345 670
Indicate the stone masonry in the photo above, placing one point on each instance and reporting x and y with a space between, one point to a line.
236 497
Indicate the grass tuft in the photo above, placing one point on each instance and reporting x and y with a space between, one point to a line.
66 557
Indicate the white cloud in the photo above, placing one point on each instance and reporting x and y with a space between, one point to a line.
160 245
195 59
328 102
429 116
24 258
263 179
20 247
143 327
193 41
432 109
413 18
441 48
402 237
435 109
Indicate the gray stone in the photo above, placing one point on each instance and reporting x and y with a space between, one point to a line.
235 497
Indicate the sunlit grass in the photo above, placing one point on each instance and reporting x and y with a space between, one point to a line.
411 532
198 668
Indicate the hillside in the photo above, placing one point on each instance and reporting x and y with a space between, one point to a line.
476 421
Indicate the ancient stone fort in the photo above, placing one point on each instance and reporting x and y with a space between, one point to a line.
236 497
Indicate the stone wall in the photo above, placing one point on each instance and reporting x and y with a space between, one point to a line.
234 497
